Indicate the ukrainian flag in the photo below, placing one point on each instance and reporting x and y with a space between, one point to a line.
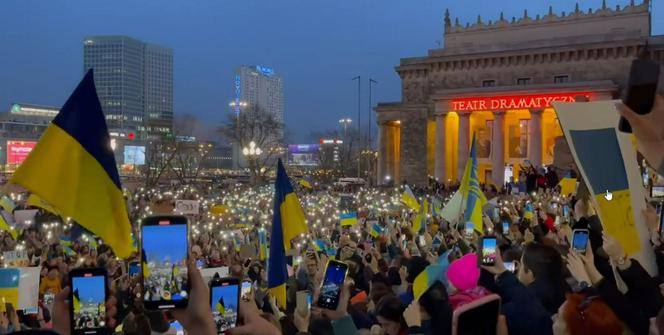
7 204
65 241
376 230
220 306
408 198
305 184
6 227
348 219
77 301
567 185
474 196
426 279
287 223
319 245
9 282
35 201
81 180
144 263
528 211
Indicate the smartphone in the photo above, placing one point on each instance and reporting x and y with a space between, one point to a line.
422 240
330 291
489 250
656 191
580 240
566 212
303 301
87 303
179 330
506 227
245 291
641 89
469 229
134 269
247 262
165 246
225 301
510 266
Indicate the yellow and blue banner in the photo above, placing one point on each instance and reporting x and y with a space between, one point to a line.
287 223
81 180
319 245
305 184
77 302
7 204
474 196
528 212
35 201
9 283
567 185
6 227
348 219
408 198
376 230
426 279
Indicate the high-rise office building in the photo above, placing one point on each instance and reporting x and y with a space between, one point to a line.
134 82
260 88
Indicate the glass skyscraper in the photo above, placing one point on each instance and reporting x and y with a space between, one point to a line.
135 84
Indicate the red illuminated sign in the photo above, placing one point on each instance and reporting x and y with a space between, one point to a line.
513 102
18 151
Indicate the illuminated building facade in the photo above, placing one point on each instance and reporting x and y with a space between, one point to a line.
497 80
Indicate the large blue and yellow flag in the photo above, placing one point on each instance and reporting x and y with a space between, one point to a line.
426 279
9 282
81 180
470 186
287 223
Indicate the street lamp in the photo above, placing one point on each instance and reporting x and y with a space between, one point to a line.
345 122
251 153
237 105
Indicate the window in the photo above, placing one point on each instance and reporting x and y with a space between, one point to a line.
523 81
488 83
561 79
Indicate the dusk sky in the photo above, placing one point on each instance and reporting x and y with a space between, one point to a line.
316 46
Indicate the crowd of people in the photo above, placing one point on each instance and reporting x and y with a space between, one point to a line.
538 283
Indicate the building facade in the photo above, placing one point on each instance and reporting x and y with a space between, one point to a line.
261 88
134 82
496 80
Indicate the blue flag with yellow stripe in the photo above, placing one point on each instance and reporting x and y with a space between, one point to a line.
81 180
475 198
287 223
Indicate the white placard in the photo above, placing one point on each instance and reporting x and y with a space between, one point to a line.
210 272
28 288
25 217
16 258
187 207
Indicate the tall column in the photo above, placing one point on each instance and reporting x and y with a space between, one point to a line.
535 137
439 151
413 147
382 153
498 149
464 142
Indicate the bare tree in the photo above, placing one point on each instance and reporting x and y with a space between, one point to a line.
160 153
258 126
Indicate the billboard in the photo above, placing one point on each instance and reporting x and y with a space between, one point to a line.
18 151
134 155
303 154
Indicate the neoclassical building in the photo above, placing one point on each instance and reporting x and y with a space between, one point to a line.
497 80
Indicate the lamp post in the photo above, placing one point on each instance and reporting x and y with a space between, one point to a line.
251 154
237 106
345 122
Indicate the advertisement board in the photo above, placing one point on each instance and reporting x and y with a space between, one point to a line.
303 154
18 151
134 155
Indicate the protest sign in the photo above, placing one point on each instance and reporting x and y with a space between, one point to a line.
20 286
606 159
187 207
16 258
25 217
209 273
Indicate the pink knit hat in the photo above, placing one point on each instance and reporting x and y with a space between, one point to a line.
463 273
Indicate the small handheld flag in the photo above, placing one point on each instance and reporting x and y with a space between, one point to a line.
528 212
376 230
426 279
408 198
348 219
